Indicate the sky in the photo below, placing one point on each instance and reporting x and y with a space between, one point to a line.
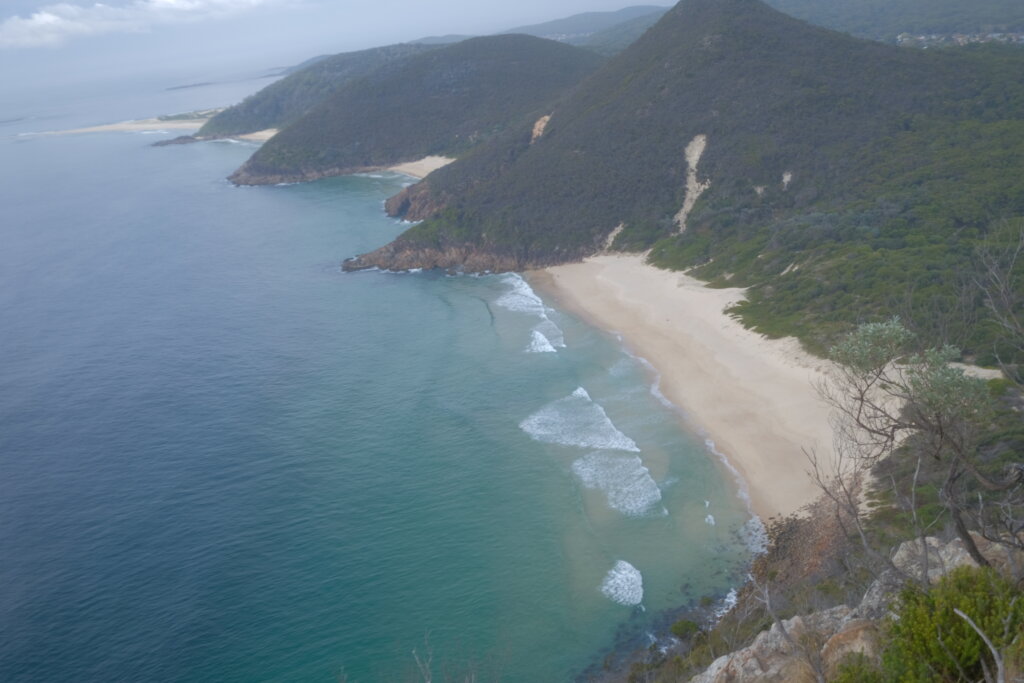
50 40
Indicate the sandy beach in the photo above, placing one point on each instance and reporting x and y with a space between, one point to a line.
752 396
183 125
420 169
137 126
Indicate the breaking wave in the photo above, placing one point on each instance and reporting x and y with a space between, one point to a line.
624 584
624 480
521 298
577 421
539 344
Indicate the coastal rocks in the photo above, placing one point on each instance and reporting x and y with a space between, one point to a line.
398 257
859 636
1007 561
825 639
180 140
935 557
414 203
777 656
246 175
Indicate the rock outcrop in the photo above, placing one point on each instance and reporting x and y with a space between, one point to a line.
823 639
414 203
400 257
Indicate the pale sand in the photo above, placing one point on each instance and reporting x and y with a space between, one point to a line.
140 125
258 136
752 396
156 124
422 168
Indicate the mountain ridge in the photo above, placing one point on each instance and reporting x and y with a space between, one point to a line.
803 126
441 102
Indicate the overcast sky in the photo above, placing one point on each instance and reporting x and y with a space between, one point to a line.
149 34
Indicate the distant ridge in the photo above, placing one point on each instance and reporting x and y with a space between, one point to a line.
801 127
442 102
286 100
577 28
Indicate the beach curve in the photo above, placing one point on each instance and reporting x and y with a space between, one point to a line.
752 396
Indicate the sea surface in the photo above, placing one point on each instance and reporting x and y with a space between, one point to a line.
223 459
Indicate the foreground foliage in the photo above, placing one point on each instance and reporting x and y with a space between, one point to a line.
929 641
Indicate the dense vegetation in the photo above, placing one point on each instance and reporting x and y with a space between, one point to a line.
921 450
578 28
441 102
899 160
885 19
617 38
284 101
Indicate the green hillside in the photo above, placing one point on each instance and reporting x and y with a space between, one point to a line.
577 28
441 102
896 161
617 38
885 19
286 100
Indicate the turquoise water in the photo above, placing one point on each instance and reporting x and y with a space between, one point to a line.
221 458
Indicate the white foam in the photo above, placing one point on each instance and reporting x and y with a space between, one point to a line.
755 535
710 520
741 483
624 480
540 344
728 602
624 584
656 384
577 421
521 298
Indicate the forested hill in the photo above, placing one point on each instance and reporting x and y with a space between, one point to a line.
442 102
819 147
286 100
577 28
885 19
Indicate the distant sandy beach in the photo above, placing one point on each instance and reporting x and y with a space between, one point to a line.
423 167
184 125
752 396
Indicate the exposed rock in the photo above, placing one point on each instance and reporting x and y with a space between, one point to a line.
180 140
772 657
831 635
859 636
1008 561
879 596
245 177
397 256
414 203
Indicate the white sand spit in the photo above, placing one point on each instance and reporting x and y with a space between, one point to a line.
140 125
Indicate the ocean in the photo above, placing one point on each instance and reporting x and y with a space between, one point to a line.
223 459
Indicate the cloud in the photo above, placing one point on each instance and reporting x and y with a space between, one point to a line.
55 24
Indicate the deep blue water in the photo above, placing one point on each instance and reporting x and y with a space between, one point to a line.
221 458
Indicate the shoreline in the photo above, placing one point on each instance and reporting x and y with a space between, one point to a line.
158 124
753 397
421 168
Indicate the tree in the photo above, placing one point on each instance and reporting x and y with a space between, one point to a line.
887 399
1000 259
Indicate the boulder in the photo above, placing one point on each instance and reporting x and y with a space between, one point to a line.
859 636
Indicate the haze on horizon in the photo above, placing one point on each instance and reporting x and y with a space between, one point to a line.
56 41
